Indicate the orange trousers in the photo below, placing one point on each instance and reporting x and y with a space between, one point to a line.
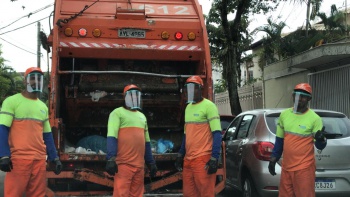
196 181
27 176
299 183
128 182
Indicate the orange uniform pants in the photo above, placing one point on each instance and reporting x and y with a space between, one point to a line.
128 182
196 181
299 183
27 176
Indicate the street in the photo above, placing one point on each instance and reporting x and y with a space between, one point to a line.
228 192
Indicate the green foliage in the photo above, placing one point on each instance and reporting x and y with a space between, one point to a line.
296 42
230 38
220 86
10 81
335 27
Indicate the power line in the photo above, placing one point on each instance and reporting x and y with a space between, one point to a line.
24 26
15 41
18 46
28 15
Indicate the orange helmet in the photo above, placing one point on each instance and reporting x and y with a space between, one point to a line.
195 79
304 87
131 87
33 69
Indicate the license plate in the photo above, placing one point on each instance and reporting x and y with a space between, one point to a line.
325 184
131 33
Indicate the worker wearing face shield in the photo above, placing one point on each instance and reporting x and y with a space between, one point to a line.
128 146
299 128
26 139
200 148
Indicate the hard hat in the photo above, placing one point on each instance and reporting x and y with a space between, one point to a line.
195 79
131 87
33 69
304 87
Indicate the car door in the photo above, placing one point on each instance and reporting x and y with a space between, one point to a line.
238 144
229 137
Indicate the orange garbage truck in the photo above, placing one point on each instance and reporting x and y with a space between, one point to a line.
98 47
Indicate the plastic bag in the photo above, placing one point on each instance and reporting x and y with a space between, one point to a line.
164 146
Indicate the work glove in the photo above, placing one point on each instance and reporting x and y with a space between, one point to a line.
111 166
152 169
58 166
212 165
179 162
320 135
272 165
5 164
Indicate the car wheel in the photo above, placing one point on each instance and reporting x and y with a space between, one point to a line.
248 188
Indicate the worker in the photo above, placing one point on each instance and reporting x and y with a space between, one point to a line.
298 129
26 140
201 144
128 146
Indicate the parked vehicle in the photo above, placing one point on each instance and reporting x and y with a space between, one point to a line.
249 142
98 47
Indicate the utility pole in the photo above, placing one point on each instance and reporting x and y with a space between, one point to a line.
346 18
38 55
307 18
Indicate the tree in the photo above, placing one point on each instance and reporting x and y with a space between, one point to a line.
229 39
334 24
272 44
10 81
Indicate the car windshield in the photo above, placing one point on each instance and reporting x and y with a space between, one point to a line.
336 125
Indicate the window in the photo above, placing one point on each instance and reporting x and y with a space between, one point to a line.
337 126
244 126
231 130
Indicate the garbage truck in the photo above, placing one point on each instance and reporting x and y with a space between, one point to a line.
97 48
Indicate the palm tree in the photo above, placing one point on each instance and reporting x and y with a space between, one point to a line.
334 24
272 44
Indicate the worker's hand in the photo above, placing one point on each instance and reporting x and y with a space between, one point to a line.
212 165
111 166
179 162
5 164
320 135
58 166
272 165
152 169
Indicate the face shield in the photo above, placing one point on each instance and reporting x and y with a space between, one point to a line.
301 100
193 92
35 82
133 99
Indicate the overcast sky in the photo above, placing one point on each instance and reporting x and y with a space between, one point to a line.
19 47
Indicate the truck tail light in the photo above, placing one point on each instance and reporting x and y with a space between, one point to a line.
96 33
178 36
191 36
82 32
263 150
68 31
165 35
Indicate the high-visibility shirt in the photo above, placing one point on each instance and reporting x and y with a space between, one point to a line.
131 130
201 119
27 119
298 132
